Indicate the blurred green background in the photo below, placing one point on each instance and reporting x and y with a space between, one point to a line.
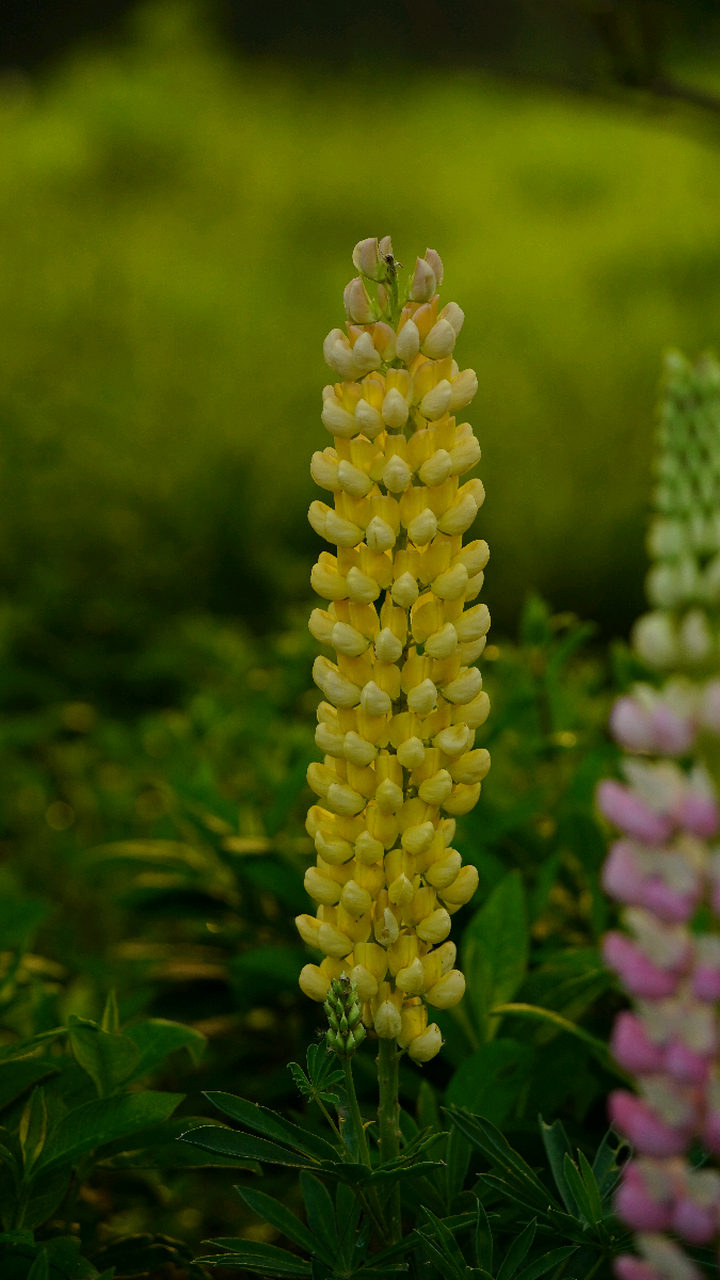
177 227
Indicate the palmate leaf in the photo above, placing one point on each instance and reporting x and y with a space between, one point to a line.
252 1255
584 1189
323 1074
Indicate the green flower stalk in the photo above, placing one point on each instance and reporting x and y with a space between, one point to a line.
403 698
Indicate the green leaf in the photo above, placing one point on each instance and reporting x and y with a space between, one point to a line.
157 1147
598 1047
517 1251
483 1240
320 1212
130 1255
591 1187
89 1127
495 951
245 1146
271 1125
547 1262
439 1245
446 1242
47 1193
584 1199
557 1146
498 1151
489 1081
111 1017
605 1167
108 1059
252 1255
457 1159
156 1038
33 1128
20 1074
24 1048
40 1269
278 1216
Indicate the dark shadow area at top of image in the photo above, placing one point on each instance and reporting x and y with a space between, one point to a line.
563 40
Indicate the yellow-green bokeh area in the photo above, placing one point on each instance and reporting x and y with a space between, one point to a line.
177 230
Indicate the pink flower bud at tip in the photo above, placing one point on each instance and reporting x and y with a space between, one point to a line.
622 807
649 1134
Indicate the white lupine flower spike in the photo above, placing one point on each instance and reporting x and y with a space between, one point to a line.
402 698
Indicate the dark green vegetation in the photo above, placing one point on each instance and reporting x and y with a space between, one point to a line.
163 859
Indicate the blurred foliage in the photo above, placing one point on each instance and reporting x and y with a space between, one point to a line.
163 856
179 227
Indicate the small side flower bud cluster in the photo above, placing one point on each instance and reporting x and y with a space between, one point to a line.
665 868
402 697
344 1014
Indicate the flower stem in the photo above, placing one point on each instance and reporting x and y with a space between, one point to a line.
357 1120
389 1125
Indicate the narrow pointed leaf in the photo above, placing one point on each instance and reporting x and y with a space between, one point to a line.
278 1216
457 1157
245 1146
446 1242
517 1251
591 1187
482 1134
605 1166
579 1191
483 1240
321 1218
271 1125
252 1255
547 1262
557 1146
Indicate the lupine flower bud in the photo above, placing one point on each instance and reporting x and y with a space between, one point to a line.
398 722
344 1014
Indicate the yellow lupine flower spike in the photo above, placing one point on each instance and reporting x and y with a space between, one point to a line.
402 697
